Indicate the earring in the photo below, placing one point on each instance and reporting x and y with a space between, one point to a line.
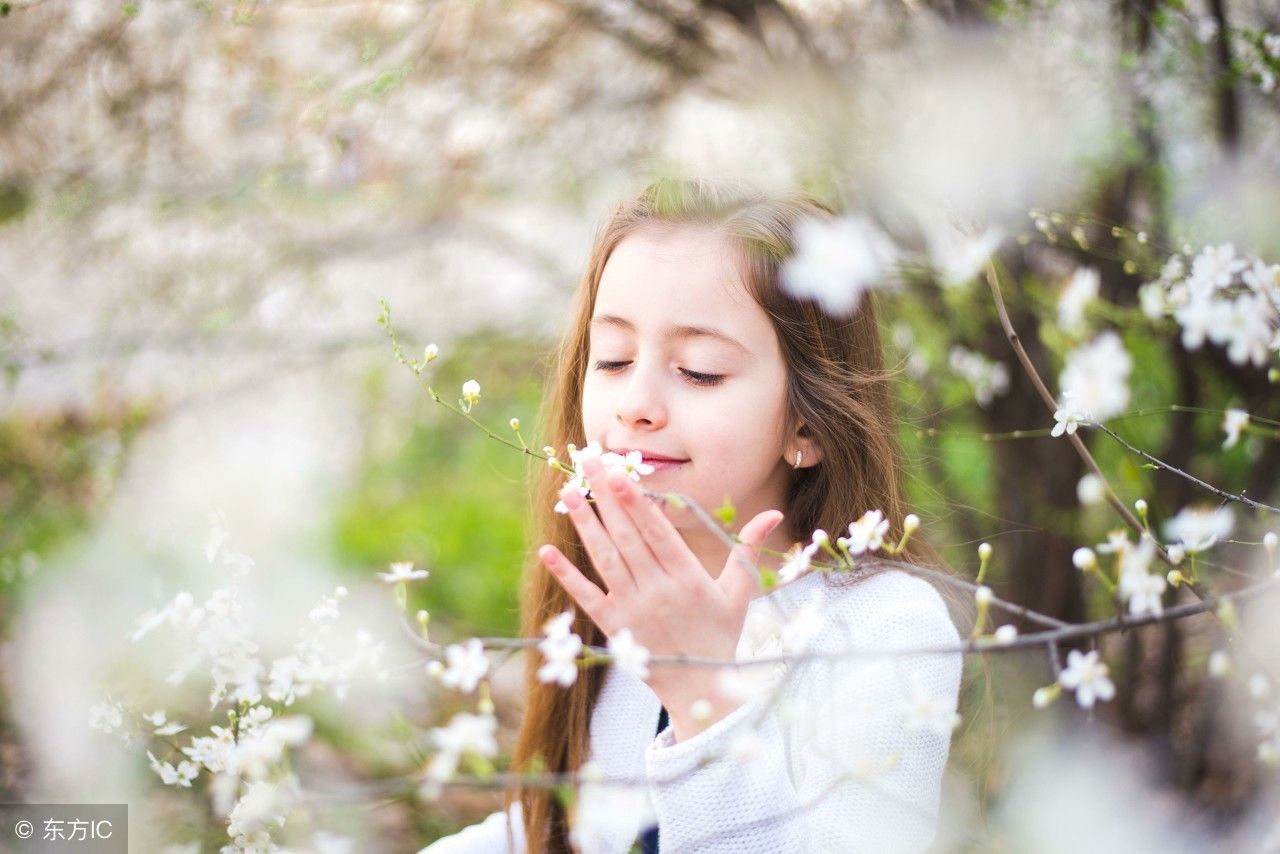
799 456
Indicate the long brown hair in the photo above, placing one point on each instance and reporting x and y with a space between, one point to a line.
838 390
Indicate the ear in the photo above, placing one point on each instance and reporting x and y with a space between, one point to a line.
810 450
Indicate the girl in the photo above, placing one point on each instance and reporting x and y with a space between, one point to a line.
684 346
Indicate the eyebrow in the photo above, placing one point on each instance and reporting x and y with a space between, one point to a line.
681 331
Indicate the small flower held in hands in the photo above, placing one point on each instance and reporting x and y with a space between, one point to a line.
1087 676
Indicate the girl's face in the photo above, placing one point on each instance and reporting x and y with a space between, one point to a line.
685 365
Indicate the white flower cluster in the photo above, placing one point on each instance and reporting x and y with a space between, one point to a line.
988 378
466 734
632 465
1261 63
561 647
1094 383
244 757
1219 296
1138 585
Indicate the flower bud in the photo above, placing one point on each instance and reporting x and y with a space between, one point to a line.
983 595
1084 559
471 392
548 451
984 551
1176 554
1090 490
431 353
820 537
1141 506
515 424
1046 695
1175 578
910 523
1006 634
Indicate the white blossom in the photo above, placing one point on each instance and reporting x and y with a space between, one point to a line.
171 776
1075 298
1087 676
106 717
1221 297
403 571
1068 416
1198 528
836 261
1233 422
467 665
988 378
465 734
867 534
560 647
629 655
1090 490
632 465
1095 378
957 256
470 393
797 562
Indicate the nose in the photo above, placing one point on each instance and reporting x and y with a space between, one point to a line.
641 402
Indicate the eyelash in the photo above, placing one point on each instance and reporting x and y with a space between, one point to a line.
694 376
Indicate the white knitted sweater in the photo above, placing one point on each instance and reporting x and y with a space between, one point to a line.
847 757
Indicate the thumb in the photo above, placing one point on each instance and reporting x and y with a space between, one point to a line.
739 576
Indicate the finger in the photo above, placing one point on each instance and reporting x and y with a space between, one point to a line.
604 555
664 542
738 579
589 597
627 539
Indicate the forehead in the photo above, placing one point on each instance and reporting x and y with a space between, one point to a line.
657 278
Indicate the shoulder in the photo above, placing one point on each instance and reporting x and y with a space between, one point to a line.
888 608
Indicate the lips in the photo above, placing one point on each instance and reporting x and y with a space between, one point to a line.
653 458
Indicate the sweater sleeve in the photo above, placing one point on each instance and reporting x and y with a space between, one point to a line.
851 757
486 837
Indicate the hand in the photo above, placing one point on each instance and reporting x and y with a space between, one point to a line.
656 587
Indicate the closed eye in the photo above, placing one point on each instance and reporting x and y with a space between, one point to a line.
695 377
